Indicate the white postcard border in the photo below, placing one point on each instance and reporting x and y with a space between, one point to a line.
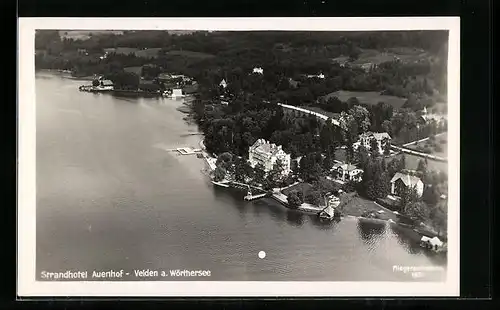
26 211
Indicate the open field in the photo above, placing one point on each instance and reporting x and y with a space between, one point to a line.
368 97
136 70
403 54
376 57
412 163
189 54
150 52
85 34
438 148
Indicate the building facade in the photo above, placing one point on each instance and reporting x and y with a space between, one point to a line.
347 172
267 154
365 140
258 70
402 181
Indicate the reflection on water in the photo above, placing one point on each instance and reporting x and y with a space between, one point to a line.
295 218
370 230
110 195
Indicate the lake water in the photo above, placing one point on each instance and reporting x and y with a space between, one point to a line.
111 196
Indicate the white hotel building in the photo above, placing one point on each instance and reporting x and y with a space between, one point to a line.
265 153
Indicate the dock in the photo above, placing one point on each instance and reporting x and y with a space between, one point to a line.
253 197
186 151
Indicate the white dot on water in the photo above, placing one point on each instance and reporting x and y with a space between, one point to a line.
262 254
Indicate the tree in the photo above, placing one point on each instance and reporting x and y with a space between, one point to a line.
440 221
219 174
248 170
240 170
422 166
387 146
259 174
224 160
293 200
362 156
382 185
362 117
374 149
386 126
370 189
274 177
301 196
417 210
314 197
430 195
402 163
125 80
408 196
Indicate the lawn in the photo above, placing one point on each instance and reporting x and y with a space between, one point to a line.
355 205
368 97
301 187
306 188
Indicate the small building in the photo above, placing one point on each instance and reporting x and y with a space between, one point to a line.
258 70
223 83
347 172
434 243
265 153
106 83
318 76
402 181
365 139
440 119
293 83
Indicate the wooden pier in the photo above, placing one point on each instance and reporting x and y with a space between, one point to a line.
251 197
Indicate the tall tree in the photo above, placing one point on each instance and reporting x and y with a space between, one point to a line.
219 174
374 149
362 117
259 174
293 200
275 176
408 196
417 210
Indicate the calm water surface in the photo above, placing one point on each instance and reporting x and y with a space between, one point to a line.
110 196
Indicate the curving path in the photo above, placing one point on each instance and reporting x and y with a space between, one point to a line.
318 115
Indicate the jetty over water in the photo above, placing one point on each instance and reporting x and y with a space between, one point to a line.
186 151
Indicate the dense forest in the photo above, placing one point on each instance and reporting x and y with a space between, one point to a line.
209 57
283 54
